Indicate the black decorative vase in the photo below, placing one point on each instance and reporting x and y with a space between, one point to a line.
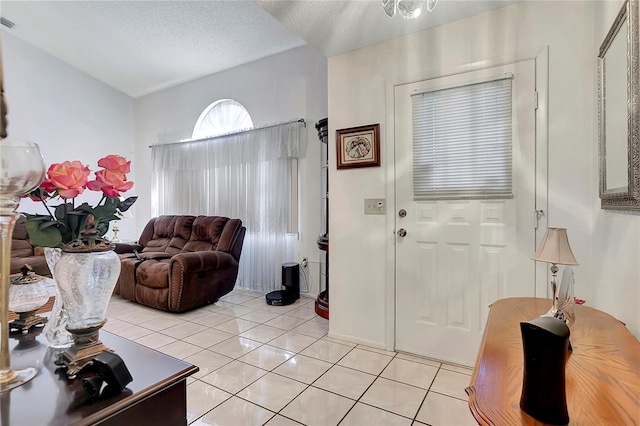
545 342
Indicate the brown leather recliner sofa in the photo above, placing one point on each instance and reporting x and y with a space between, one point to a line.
25 253
181 262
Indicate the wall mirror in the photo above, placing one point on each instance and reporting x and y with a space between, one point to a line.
618 114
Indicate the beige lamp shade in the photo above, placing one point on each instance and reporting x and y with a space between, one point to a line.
555 248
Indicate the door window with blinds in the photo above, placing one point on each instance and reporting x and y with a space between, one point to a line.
462 141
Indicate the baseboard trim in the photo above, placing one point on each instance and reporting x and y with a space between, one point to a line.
366 342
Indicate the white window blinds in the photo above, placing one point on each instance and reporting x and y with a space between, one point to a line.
462 141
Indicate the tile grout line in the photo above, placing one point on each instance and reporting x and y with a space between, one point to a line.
426 394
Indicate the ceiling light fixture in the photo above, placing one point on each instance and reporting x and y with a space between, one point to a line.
408 9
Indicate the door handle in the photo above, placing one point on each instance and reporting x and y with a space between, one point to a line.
537 215
402 232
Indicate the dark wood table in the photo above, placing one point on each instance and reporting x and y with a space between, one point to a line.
157 394
602 373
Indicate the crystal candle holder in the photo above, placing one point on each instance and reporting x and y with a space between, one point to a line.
27 294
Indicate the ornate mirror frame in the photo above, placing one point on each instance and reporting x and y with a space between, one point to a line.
619 113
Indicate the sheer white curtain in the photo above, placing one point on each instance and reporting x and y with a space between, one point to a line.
245 175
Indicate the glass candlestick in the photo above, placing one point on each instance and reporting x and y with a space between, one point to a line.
55 330
565 305
22 169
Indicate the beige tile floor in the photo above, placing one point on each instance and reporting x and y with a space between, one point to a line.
275 365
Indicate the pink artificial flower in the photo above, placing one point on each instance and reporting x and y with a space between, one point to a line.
115 164
110 183
69 179
48 186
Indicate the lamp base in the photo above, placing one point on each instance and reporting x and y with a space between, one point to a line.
25 321
115 230
86 346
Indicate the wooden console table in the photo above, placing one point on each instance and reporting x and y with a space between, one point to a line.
602 373
156 396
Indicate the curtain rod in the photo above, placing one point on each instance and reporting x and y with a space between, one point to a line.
300 120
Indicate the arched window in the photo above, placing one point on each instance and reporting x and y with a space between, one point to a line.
222 117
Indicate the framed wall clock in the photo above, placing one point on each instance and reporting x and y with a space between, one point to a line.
358 146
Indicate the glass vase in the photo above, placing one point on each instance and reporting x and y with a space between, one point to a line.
86 282
55 330
86 274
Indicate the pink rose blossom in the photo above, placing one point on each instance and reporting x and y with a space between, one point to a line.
115 164
69 179
110 183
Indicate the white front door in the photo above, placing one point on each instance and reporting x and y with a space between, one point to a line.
459 256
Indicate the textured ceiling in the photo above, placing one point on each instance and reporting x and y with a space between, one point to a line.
140 47
335 27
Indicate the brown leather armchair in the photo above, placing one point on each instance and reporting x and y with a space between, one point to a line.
181 262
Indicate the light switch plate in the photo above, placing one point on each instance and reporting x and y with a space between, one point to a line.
375 206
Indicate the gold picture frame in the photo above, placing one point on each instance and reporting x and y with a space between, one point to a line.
358 146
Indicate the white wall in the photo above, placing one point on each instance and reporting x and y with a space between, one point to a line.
279 88
361 270
70 115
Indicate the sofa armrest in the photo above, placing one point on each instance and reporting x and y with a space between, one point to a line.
122 248
199 278
154 255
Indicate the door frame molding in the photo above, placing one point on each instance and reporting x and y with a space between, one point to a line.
540 56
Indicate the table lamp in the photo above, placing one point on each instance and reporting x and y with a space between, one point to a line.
555 249
116 228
